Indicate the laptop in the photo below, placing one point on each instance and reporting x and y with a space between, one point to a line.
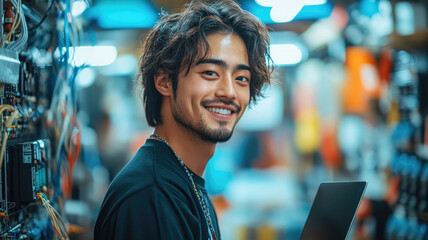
333 210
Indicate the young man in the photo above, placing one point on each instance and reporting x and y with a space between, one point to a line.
200 69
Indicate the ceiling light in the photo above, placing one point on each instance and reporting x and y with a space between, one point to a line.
285 11
266 3
285 54
78 8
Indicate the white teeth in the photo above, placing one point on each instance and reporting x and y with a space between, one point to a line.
220 110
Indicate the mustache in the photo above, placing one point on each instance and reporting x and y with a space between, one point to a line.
221 101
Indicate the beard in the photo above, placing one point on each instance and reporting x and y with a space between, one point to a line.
201 129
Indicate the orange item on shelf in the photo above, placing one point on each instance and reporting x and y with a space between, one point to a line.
330 150
365 210
393 190
221 204
362 81
385 66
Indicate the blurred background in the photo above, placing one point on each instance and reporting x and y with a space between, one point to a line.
350 102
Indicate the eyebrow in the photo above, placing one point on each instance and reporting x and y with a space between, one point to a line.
222 63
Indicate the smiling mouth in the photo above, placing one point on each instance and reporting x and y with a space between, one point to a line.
219 110
221 107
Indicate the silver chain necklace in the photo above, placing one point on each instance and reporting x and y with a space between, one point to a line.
197 191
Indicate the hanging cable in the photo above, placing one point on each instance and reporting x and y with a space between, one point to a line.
7 125
18 44
44 17
56 219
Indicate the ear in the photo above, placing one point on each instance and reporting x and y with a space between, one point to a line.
163 83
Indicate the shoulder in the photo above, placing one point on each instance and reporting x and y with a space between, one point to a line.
152 166
151 186
153 173
136 175
144 214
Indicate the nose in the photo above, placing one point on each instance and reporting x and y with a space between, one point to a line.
226 88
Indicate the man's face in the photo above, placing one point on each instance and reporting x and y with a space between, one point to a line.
212 97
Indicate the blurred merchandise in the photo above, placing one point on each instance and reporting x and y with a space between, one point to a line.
349 102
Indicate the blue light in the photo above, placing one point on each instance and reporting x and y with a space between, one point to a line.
369 7
313 12
123 14
308 12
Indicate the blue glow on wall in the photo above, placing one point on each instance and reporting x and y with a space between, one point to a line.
309 12
123 14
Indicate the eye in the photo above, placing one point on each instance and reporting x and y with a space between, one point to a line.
210 73
243 79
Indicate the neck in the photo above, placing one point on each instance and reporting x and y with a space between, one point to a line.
193 151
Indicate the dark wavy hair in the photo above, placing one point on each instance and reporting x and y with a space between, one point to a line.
178 39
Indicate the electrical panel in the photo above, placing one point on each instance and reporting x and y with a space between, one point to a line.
409 219
37 118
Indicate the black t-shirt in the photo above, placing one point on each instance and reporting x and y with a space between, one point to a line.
152 198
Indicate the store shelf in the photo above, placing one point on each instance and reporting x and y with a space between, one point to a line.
417 40
422 152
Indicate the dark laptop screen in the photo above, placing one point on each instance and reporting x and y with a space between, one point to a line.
333 210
